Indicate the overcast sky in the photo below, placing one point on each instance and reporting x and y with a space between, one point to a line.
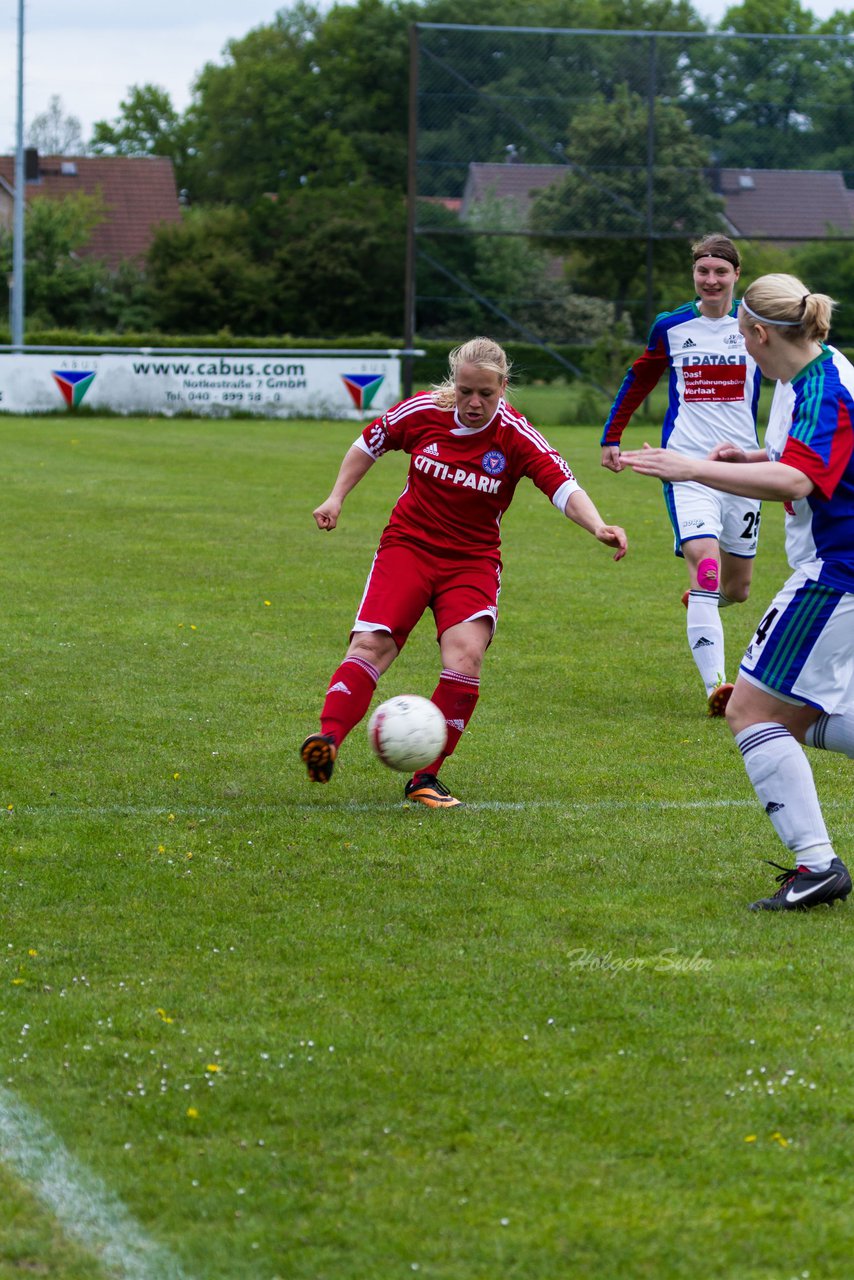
89 52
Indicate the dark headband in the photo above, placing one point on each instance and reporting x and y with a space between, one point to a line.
728 255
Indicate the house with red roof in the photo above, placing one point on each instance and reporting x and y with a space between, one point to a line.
138 193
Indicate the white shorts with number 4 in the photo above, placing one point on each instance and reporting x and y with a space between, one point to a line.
803 649
698 512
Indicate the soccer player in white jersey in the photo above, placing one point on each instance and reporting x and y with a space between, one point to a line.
713 395
796 683
440 550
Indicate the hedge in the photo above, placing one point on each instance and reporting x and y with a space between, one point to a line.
530 362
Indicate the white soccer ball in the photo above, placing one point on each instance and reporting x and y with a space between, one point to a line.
407 732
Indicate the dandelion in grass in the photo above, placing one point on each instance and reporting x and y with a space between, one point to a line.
32 952
212 1066
267 603
751 1137
192 1113
164 1016
176 776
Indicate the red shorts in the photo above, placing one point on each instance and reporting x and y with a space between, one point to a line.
403 582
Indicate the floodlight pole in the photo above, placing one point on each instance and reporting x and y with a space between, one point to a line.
17 308
409 318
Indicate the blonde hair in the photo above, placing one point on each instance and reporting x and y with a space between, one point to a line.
786 303
716 246
481 352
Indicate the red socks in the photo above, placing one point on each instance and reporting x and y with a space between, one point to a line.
456 697
348 697
352 687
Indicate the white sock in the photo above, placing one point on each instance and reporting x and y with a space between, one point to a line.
833 733
706 637
782 779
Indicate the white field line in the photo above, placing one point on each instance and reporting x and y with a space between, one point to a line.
383 806
564 806
85 1209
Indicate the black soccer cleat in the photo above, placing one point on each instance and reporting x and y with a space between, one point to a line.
318 755
800 888
428 790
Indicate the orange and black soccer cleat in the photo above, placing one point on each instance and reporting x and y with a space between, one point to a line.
318 755
427 789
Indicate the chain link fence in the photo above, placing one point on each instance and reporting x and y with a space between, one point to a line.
557 177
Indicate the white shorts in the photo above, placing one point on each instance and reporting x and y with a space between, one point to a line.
699 512
803 649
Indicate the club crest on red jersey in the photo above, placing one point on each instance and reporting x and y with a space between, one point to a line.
493 462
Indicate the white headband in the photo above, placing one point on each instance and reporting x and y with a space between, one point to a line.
786 324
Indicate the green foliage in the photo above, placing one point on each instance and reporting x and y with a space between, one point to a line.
747 96
203 276
299 264
829 268
64 286
335 266
310 100
481 91
311 111
616 203
147 125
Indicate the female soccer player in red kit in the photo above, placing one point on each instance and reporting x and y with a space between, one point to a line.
441 547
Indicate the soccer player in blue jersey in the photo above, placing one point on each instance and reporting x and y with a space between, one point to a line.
713 393
796 683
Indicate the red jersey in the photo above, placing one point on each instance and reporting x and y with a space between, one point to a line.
461 479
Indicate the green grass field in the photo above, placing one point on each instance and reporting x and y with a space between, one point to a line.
313 1033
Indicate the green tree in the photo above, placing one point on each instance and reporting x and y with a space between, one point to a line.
335 266
310 100
302 265
829 268
65 287
770 103
605 197
204 278
482 91
148 125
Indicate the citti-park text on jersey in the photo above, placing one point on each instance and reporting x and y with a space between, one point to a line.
456 475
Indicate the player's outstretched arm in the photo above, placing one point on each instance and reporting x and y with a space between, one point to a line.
775 481
581 509
354 465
